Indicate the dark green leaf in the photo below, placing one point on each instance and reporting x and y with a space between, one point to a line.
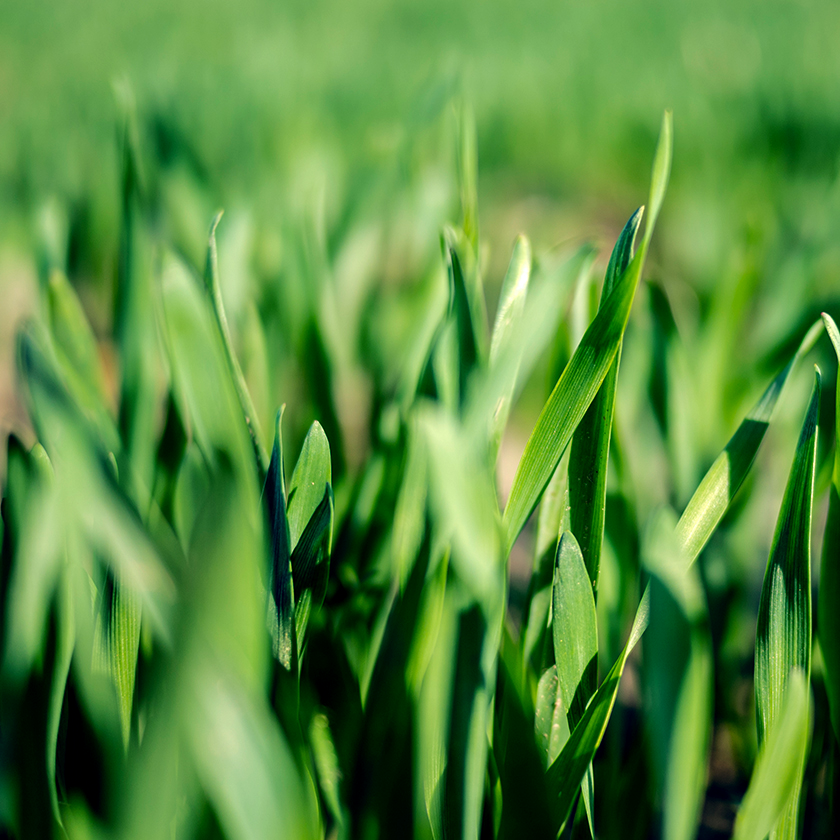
828 615
591 443
582 378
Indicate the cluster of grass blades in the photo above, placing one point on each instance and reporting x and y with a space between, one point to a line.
196 644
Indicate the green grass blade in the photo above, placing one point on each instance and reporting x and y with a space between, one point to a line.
508 317
310 477
211 278
716 491
586 370
567 772
123 642
281 596
466 330
574 626
551 724
828 612
591 443
778 770
678 657
783 631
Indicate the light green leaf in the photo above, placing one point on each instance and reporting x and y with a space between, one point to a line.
591 443
828 615
715 492
310 477
567 772
582 377
783 630
551 725
778 771
509 315
575 628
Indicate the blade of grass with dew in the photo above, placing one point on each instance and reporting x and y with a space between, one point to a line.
587 369
574 627
778 769
716 491
509 315
567 771
552 520
281 596
214 289
575 634
591 442
783 630
828 615
678 657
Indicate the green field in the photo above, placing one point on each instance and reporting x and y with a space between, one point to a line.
427 491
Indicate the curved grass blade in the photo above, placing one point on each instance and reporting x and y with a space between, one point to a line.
713 496
828 615
508 317
211 278
783 631
591 442
574 627
567 771
778 769
281 596
586 370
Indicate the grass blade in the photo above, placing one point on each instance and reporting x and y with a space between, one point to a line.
567 772
591 443
777 773
211 278
281 595
586 370
508 317
783 631
828 614
678 657
574 626
713 496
